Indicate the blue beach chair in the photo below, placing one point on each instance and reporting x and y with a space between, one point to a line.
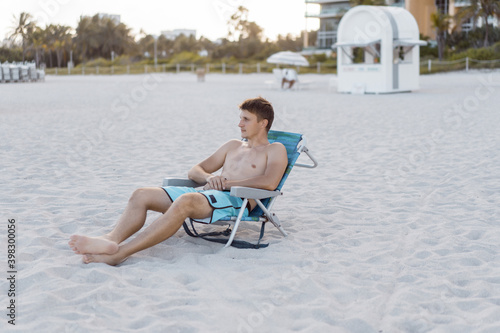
295 144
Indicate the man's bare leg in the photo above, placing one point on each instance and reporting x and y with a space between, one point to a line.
192 205
131 221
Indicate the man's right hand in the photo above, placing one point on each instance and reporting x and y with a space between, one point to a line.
215 183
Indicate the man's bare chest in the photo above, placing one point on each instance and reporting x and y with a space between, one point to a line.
245 161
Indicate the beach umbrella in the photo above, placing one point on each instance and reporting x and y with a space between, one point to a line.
288 58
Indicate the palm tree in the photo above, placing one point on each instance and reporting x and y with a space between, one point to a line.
146 44
489 8
441 22
23 27
62 39
471 12
37 40
114 38
238 23
480 9
100 37
108 37
165 45
85 39
50 41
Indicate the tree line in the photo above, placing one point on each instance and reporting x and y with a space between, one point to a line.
100 37
450 35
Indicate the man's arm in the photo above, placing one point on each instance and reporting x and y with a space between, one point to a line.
203 171
277 161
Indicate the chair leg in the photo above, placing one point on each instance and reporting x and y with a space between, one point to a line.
276 222
237 223
272 217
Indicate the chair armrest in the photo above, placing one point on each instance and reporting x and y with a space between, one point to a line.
180 182
252 193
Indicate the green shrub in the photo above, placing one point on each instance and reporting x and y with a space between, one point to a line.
464 40
11 54
98 62
318 58
496 48
485 53
186 57
122 60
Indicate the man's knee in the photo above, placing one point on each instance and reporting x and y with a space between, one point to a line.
190 200
193 204
139 196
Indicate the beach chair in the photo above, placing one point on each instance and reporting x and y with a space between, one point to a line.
14 72
40 73
295 145
23 73
303 84
200 74
32 72
6 72
277 77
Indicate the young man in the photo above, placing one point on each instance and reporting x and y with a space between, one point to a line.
252 163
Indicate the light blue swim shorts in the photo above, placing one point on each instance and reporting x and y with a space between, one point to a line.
222 202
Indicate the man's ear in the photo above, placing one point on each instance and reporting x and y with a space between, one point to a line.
264 123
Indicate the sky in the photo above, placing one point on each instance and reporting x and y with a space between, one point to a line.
208 17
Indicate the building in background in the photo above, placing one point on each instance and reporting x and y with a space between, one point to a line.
330 12
455 5
329 15
422 10
113 17
173 34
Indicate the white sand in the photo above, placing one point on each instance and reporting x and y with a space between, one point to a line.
397 230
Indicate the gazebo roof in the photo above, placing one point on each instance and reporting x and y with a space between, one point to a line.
363 26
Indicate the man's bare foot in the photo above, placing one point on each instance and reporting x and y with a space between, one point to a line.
92 245
112 260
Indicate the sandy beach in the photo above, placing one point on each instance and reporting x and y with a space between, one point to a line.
397 230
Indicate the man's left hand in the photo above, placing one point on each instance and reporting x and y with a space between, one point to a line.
216 183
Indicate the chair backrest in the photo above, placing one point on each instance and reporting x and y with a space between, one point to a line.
278 74
291 142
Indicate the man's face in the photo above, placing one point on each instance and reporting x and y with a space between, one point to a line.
249 125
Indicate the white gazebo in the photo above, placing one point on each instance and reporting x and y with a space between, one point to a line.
378 50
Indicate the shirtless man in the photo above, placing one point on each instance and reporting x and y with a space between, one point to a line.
252 163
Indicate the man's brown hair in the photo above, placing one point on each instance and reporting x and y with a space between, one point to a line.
261 108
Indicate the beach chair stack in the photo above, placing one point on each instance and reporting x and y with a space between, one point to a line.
21 72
